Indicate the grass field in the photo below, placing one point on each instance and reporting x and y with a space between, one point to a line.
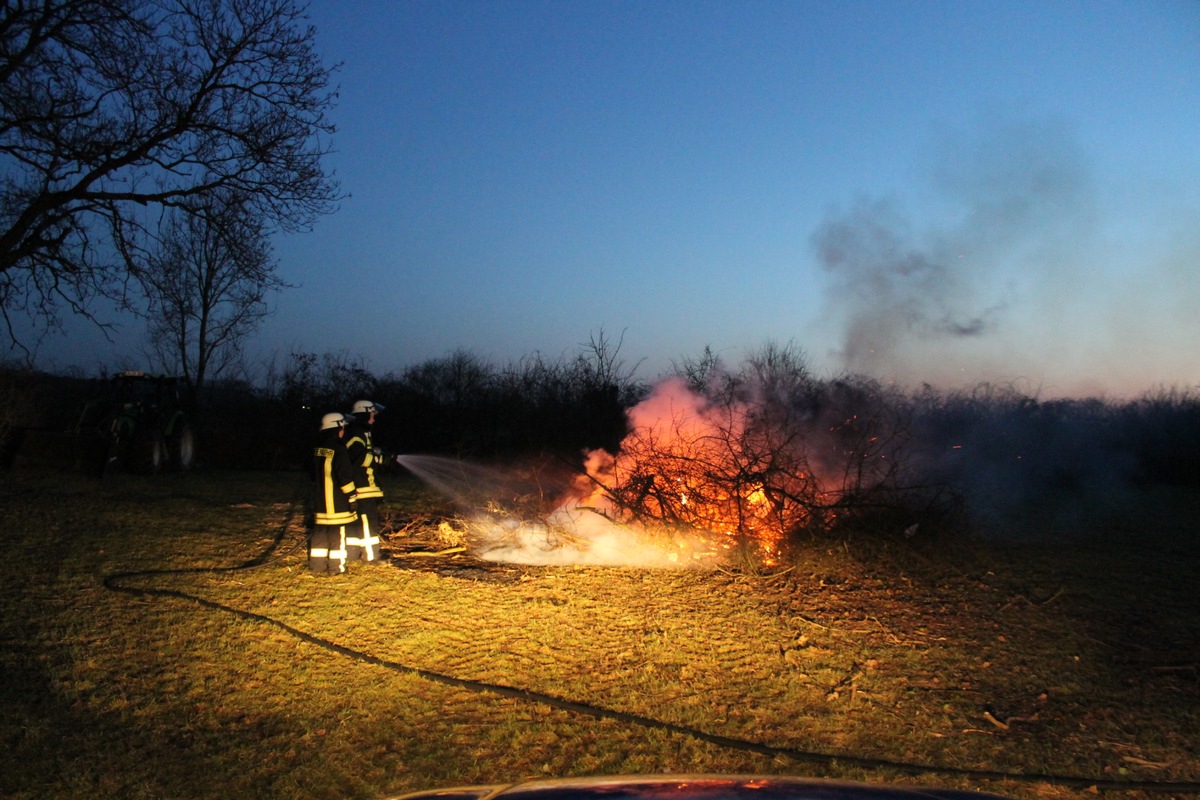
161 637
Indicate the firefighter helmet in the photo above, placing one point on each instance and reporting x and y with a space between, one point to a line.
334 420
366 407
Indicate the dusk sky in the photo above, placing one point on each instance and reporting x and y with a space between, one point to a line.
949 192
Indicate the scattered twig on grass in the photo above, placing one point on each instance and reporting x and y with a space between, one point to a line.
988 716
805 619
1034 603
1134 759
1031 718
779 574
895 639
431 554
743 573
1192 667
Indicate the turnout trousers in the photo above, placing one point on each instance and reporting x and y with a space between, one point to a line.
327 549
363 542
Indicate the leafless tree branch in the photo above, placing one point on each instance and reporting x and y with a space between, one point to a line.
113 112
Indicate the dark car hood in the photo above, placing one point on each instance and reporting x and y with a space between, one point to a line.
693 787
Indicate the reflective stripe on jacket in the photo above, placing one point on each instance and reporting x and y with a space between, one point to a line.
335 482
362 455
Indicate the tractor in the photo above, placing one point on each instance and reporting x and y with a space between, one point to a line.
140 423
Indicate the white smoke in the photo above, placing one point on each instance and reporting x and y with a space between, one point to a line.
580 531
581 537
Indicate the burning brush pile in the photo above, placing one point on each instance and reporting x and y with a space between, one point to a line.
718 466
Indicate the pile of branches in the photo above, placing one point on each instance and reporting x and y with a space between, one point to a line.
766 454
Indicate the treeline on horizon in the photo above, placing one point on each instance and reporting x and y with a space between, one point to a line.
991 441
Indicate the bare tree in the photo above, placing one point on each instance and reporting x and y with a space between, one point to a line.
112 111
208 285
599 368
324 382
700 371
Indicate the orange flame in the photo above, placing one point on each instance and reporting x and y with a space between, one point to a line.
690 464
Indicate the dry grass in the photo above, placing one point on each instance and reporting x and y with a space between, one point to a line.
939 660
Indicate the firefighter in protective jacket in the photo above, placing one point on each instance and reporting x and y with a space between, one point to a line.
334 503
364 542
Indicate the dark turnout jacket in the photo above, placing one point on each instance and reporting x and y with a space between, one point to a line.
362 456
334 481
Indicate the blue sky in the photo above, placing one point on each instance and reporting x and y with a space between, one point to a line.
924 191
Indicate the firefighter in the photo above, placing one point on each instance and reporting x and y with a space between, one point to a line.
365 543
334 508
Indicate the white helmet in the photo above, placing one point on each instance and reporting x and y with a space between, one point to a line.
366 407
333 420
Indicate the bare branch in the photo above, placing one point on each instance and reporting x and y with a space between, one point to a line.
110 109
208 285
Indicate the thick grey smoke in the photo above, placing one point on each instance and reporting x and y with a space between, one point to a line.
1008 208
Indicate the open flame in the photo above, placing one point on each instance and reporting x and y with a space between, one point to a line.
689 465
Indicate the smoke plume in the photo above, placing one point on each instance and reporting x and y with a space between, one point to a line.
1007 210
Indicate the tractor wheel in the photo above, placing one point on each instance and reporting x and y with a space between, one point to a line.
182 447
116 457
150 453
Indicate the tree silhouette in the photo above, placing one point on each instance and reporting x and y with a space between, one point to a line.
208 285
114 111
